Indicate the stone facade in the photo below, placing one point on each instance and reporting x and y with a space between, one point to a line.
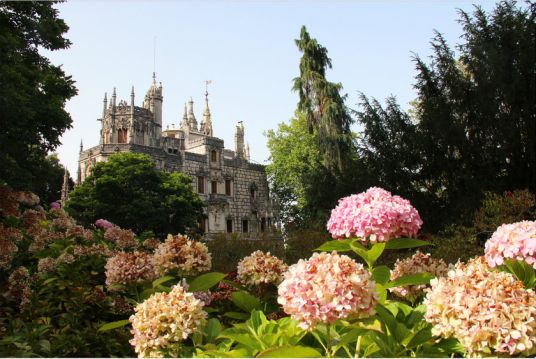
234 189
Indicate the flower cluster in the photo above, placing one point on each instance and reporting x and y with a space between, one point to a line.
151 243
7 252
516 241
164 320
19 286
125 268
224 291
31 218
374 215
12 235
325 288
418 263
188 256
46 265
205 297
261 268
485 310
80 232
123 238
62 224
55 205
104 224
57 213
120 306
66 258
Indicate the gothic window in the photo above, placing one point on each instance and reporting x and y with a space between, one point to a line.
203 224
252 193
139 137
228 187
263 224
245 226
121 136
214 156
229 226
214 187
201 184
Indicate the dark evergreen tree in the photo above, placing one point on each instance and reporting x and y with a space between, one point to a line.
323 104
33 92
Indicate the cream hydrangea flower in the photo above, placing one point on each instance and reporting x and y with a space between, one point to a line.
163 321
516 241
325 288
375 216
189 256
261 268
489 312
418 263
126 268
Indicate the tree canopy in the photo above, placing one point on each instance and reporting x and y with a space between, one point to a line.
129 192
322 103
33 92
472 128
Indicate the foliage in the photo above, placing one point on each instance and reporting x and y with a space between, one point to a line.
472 126
462 242
53 171
322 103
130 192
34 91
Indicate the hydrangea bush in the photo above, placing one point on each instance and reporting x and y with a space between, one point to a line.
72 291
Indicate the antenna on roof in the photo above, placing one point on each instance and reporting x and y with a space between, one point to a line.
154 55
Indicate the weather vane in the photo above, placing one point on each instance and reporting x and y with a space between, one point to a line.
206 87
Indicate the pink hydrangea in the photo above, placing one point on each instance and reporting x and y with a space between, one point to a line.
489 312
164 320
104 224
261 268
516 241
375 216
55 205
418 263
179 252
325 288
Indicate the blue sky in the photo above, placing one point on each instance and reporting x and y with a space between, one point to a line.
247 50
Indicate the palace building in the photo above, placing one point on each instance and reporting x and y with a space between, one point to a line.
234 189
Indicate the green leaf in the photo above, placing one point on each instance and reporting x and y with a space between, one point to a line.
246 339
403 243
361 251
147 293
381 275
205 282
375 252
421 337
412 279
245 301
113 325
523 272
290 352
351 336
235 315
387 318
257 319
49 280
450 345
162 280
336 245
212 329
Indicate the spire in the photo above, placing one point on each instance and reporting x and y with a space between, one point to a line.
105 103
132 98
65 189
114 97
206 123
81 146
192 122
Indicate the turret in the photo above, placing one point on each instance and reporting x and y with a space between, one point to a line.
154 100
65 189
239 140
192 122
131 130
206 123
184 122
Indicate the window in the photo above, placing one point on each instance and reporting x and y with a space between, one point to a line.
214 156
245 226
229 226
121 136
263 224
214 186
228 187
201 184
252 193
202 224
